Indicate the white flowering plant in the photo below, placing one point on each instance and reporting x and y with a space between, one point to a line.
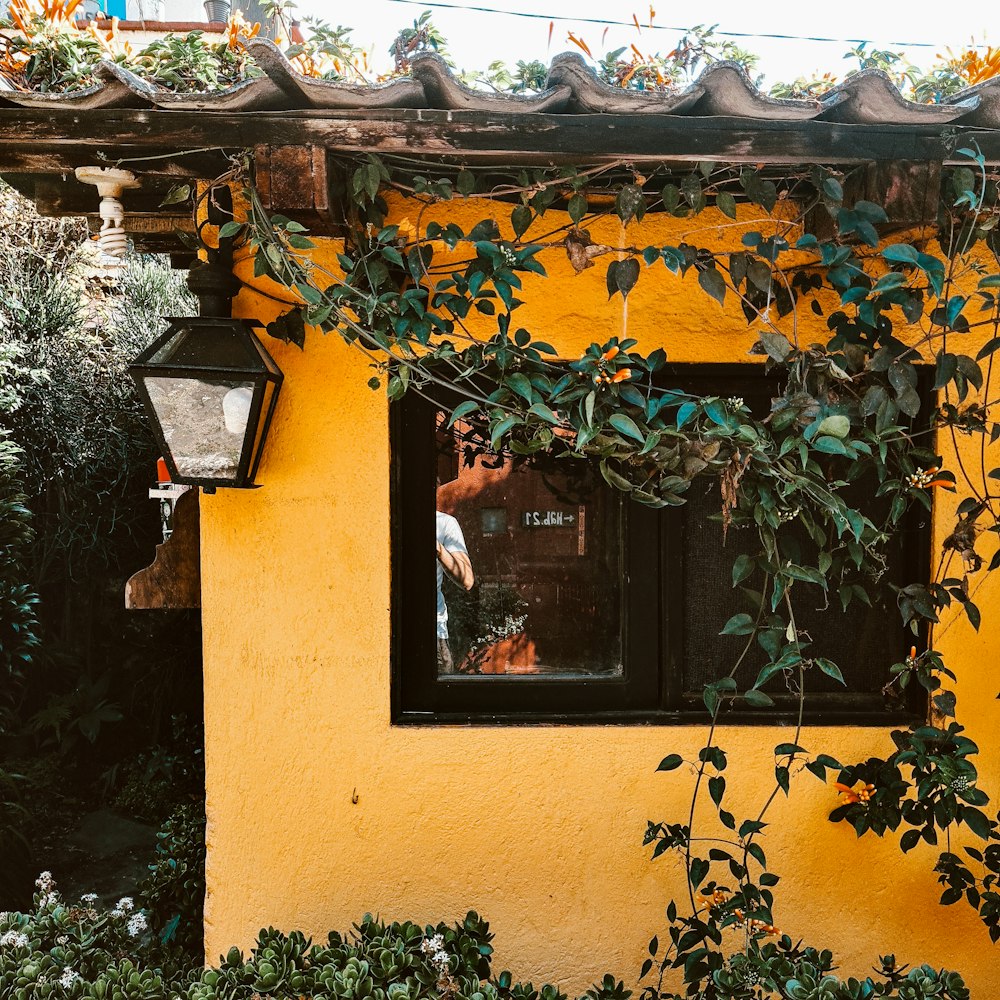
62 948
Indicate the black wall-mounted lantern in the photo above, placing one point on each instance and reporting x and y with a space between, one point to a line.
209 387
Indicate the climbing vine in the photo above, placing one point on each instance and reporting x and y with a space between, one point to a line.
435 308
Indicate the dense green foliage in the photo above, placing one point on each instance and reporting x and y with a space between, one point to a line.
174 892
87 950
18 623
84 950
103 684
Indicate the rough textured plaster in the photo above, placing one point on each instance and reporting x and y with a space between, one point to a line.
538 828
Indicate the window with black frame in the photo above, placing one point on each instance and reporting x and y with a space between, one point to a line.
530 590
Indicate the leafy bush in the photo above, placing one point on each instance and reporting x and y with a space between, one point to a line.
174 891
18 624
150 785
65 949
75 520
85 950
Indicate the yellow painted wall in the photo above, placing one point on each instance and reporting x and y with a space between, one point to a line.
539 828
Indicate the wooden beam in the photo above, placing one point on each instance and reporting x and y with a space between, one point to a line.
485 136
62 159
295 181
909 193
56 197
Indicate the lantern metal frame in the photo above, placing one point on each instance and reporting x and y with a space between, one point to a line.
262 371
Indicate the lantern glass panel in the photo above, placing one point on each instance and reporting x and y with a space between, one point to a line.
204 422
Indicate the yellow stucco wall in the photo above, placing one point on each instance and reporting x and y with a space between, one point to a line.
539 828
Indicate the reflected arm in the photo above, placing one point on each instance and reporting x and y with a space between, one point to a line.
457 565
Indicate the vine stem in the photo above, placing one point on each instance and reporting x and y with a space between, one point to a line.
703 757
798 728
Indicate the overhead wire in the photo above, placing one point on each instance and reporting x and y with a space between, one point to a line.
607 22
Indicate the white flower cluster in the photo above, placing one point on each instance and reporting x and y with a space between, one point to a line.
14 939
509 257
136 924
736 402
434 947
511 626
89 898
789 515
47 890
921 479
68 978
123 907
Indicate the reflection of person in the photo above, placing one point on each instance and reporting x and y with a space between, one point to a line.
453 559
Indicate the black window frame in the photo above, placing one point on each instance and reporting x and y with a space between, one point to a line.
650 689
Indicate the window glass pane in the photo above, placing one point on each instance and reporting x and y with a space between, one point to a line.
543 542
864 643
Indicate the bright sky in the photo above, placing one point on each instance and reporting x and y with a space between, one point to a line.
477 37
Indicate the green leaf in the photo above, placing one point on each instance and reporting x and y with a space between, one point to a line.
742 568
977 822
500 429
890 281
837 426
717 788
988 348
630 203
622 276
289 327
176 195
691 189
711 281
832 189
901 253
710 696
577 207
541 410
521 385
520 220
830 445
624 424
776 344
310 294
741 624
670 763
831 669
465 183
757 699
615 479
685 412
726 204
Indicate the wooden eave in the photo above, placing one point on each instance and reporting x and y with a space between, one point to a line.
295 124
